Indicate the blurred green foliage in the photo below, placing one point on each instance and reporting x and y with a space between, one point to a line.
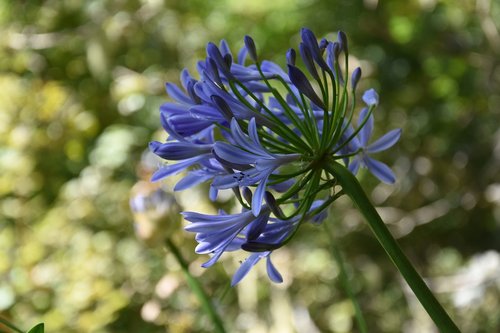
81 83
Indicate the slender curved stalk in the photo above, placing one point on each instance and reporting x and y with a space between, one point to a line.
344 279
10 325
197 288
354 190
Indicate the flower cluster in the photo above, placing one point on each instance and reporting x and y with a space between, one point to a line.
267 134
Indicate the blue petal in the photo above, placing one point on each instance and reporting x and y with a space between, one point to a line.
191 179
177 94
212 260
215 241
185 78
179 150
224 47
272 272
207 223
258 196
380 170
242 140
385 142
245 268
206 112
212 193
233 154
273 68
370 97
242 55
172 169
354 166
366 132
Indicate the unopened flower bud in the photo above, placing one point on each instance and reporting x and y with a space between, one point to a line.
290 57
356 75
250 45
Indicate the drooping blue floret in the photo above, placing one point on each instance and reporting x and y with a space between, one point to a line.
363 159
258 163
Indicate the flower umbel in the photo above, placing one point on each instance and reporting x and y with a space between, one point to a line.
270 136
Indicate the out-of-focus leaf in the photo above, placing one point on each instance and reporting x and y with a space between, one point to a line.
40 328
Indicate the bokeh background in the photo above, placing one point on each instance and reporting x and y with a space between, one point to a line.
80 87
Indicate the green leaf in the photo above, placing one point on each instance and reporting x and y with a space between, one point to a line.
40 328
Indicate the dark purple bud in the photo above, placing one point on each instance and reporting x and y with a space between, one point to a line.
250 45
191 92
356 75
221 62
322 45
290 57
300 81
247 194
223 108
273 205
311 42
343 41
333 51
228 59
256 228
252 246
308 60
336 50
213 72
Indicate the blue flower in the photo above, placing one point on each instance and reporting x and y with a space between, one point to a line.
361 144
248 154
216 234
269 135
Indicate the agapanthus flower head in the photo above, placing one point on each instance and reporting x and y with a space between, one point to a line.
268 135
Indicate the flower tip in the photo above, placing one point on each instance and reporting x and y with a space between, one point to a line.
290 57
154 145
370 97
306 33
299 80
356 75
342 37
223 108
250 45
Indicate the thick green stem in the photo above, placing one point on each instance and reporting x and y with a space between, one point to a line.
353 189
197 288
